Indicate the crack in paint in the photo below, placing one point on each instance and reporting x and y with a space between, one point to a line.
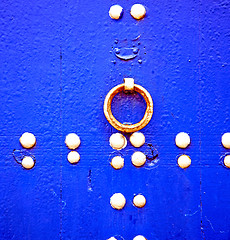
63 203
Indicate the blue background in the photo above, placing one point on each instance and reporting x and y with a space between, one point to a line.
57 64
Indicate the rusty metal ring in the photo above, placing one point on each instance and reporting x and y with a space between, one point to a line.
125 127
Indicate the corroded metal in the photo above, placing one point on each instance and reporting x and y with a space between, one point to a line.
126 127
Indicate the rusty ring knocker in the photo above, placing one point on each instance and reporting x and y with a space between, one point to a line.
128 86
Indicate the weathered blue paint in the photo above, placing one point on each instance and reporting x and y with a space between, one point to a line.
57 65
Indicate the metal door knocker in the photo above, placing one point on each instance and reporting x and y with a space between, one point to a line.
128 85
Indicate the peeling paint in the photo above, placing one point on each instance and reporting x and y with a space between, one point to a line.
152 157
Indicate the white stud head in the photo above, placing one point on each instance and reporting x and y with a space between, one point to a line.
139 237
27 140
73 157
138 11
117 201
115 12
137 139
184 161
226 140
227 161
117 162
138 159
72 141
28 162
112 238
139 201
117 141
182 140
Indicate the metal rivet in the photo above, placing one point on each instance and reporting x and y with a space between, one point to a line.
139 201
117 201
28 162
138 159
226 140
27 140
117 162
73 157
117 141
184 161
117 50
139 237
135 50
227 161
115 12
182 140
137 139
72 141
138 11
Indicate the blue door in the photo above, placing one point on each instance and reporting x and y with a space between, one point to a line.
58 61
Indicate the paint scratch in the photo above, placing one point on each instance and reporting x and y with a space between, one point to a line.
213 227
192 214
90 181
63 203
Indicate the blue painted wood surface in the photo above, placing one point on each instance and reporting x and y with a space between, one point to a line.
57 65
